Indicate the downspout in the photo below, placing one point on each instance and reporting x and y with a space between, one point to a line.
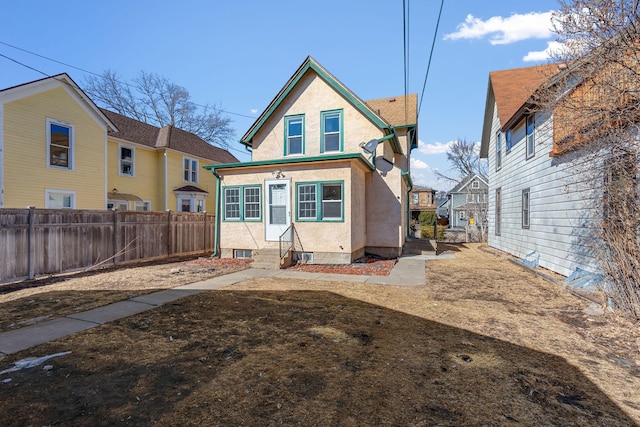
216 227
407 179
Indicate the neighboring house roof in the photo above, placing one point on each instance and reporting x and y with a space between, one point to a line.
191 189
398 110
311 64
467 179
513 88
510 91
36 86
166 137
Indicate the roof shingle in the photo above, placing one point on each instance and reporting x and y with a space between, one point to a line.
397 110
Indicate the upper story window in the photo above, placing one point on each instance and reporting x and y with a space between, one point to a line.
508 141
59 144
416 198
475 184
294 135
125 158
498 150
331 132
190 170
531 142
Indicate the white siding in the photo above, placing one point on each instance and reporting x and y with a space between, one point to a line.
557 211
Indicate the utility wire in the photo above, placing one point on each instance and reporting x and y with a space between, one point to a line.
62 81
95 74
405 40
435 35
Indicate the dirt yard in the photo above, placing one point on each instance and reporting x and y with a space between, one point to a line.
484 343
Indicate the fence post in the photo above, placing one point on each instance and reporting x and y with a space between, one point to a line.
31 238
169 239
115 235
204 246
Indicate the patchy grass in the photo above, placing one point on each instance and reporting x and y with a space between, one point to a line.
483 343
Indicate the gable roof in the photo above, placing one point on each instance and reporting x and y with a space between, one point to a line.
311 64
467 179
510 91
166 137
513 88
59 80
398 111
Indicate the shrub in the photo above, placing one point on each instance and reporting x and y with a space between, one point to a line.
427 218
426 232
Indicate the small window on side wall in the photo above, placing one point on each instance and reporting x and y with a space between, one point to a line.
190 170
526 204
531 140
498 150
59 144
59 199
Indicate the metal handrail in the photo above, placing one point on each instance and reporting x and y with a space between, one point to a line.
288 232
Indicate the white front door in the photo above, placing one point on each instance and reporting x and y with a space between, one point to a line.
278 208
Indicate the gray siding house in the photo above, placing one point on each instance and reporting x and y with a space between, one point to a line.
468 202
531 214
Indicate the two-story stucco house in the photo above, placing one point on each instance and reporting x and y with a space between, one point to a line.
59 150
327 166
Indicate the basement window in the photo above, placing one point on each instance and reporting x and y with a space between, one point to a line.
242 253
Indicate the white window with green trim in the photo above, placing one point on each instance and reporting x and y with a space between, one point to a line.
331 131
242 203
320 201
294 135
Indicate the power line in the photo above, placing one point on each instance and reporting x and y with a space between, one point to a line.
95 74
65 82
405 41
435 35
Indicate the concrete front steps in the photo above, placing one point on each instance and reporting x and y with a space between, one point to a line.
416 246
269 259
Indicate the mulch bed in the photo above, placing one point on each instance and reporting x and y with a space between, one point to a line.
367 266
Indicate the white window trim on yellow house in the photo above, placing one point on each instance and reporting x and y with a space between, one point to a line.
120 160
48 193
70 155
190 170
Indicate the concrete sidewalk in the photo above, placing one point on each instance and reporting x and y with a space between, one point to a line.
408 271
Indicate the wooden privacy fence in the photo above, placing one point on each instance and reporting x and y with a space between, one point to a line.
48 241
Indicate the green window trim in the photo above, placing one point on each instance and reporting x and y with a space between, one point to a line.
329 114
320 202
245 202
290 137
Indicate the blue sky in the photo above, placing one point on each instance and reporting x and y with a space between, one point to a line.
238 54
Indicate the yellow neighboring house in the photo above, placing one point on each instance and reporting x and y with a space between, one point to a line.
153 168
331 165
53 141
59 150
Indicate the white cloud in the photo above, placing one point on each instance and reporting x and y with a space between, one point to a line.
418 164
254 110
435 148
517 27
553 48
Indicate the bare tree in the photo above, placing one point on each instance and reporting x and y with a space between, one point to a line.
153 99
595 104
464 158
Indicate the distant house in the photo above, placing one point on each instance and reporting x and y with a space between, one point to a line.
327 167
467 202
59 150
423 199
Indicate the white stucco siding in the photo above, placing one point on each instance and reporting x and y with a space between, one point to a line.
557 210
310 97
